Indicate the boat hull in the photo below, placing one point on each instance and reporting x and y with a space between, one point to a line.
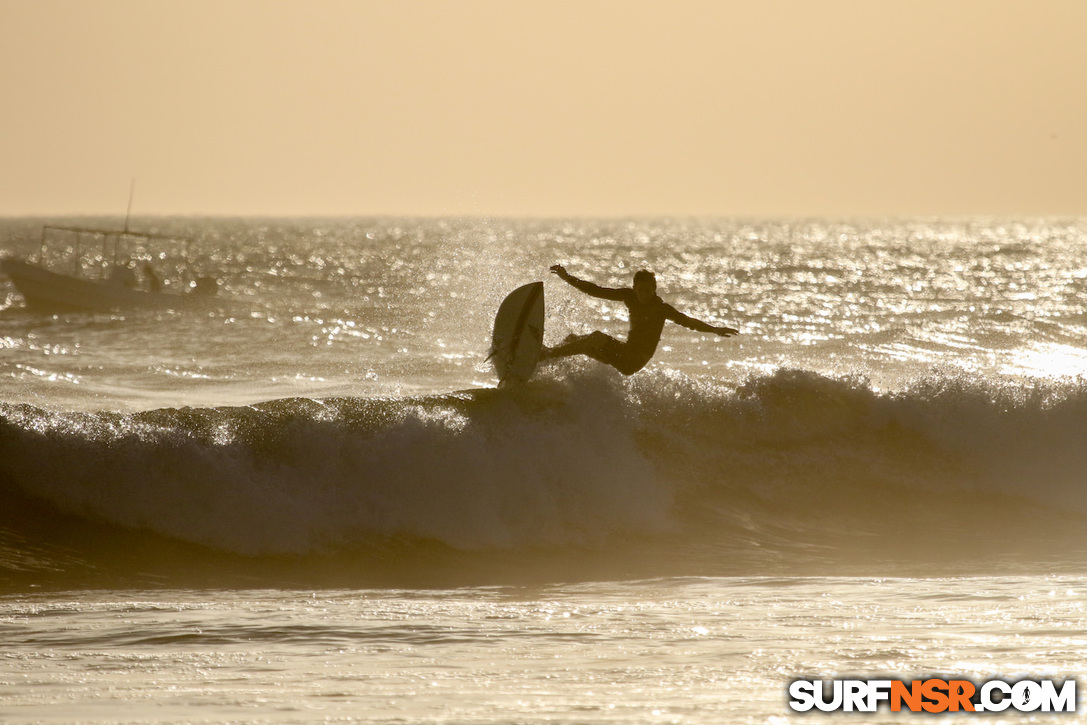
50 291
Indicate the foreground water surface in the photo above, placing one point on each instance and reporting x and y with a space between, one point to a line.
670 651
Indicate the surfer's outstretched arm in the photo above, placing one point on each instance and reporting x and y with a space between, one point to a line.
691 323
594 290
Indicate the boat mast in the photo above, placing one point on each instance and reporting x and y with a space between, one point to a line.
128 216
131 193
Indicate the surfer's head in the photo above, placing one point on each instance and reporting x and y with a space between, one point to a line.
645 285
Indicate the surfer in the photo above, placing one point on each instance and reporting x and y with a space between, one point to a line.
647 315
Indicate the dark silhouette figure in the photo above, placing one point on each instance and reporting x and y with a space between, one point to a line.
154 283
647 315
122 276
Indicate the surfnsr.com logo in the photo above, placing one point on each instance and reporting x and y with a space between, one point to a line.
933 695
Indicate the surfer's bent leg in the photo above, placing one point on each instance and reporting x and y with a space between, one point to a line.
620 355
602 348
578 345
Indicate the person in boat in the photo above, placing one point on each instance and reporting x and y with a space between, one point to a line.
648 313
122 276
154 283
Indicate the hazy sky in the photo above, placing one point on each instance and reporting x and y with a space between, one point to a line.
612 107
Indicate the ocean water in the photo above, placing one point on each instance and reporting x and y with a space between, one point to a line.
307 502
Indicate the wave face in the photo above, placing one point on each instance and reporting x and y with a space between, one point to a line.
576 475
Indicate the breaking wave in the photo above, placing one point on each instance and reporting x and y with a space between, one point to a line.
578 475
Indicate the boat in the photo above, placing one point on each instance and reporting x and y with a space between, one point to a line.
109 281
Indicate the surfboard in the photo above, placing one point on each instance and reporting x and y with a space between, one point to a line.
518 334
